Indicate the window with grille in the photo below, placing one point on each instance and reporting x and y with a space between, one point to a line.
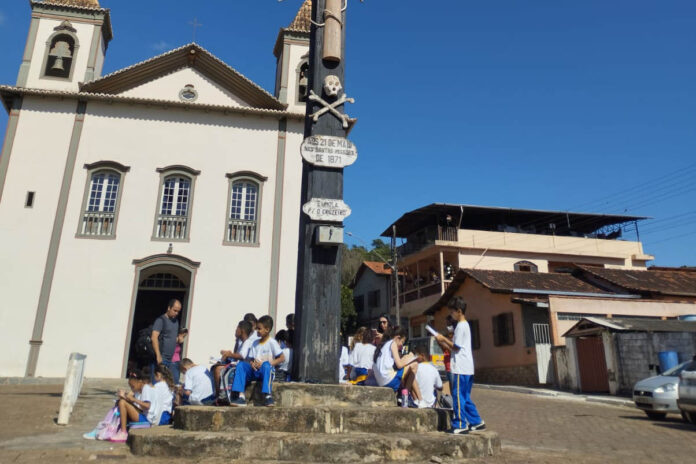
503 330
526 266
243 212
101 203
173 221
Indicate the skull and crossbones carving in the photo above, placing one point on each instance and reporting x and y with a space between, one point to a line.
332 88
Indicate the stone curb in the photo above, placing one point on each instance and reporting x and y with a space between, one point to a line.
613 401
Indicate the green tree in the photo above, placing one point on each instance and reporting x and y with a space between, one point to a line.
349 318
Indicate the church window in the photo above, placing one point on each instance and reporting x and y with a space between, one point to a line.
188 93
101 201
29 202
173 220
244 201
61 49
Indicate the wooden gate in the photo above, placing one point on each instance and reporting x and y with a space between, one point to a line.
592 365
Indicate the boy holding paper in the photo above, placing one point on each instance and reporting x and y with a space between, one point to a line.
466 417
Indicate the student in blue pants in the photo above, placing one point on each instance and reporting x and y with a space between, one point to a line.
466 417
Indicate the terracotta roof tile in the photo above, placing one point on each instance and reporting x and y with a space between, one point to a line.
665 282
302 20
377 267
542 281
80 3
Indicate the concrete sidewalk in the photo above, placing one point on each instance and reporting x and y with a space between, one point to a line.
562 395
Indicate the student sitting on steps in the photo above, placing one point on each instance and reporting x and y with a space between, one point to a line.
230 358
198 385
388 357
265 354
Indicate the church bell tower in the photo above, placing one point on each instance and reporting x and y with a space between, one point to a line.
66 44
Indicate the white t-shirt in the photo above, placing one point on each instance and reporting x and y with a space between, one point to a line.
384 367
266 351
462 361
285 365
246 347
160 398
428 379
199 382
343 361
253 336
363 355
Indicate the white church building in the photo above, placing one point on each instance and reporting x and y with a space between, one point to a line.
174 177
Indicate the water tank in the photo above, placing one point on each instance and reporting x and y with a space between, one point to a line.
668 359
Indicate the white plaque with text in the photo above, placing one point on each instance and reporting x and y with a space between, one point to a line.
329 151
323 209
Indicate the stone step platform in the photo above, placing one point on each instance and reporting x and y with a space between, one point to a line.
296 394
325 448
331 420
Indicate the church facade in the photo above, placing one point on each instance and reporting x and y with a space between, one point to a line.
176 177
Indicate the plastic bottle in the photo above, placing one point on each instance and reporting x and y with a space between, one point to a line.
404 398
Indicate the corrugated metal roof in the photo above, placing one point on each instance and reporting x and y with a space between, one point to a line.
591 325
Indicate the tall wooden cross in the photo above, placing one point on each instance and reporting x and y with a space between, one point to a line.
318 298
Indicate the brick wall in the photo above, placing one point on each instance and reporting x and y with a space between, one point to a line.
637 353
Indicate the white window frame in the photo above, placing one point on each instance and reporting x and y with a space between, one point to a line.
174 227
242 231
99 223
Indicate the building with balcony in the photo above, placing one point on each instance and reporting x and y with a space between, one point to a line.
442 238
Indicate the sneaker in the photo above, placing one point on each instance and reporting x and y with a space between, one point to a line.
120 437
458 431
481 426
240 402
90 435
269 401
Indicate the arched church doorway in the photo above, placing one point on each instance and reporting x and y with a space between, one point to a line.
156 284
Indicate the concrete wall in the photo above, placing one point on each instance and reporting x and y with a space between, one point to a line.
609 307
637 351
566 366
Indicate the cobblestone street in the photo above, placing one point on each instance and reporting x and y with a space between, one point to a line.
533 428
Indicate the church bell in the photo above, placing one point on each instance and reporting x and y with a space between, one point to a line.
60 51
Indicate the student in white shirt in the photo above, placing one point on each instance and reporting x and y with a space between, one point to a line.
265 354
362 354
284 338
427 378
388 357
161 397
466 417
198 384
230 358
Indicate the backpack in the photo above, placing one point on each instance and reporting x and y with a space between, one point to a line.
108 427
143 344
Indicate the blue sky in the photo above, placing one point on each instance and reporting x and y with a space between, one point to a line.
554 104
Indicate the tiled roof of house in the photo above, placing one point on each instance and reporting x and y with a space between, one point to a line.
665 282
525 283
80 3
508 281
378 267
302 20
592 325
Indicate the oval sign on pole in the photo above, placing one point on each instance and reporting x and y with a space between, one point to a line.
328 151
325 209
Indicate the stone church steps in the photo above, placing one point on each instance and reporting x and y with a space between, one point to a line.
328 420
295 394
289 446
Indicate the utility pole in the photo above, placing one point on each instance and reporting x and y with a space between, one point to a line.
325 153
395 271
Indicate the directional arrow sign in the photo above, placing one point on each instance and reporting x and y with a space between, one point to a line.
328 151
322 209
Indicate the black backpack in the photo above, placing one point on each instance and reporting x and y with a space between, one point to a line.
143 345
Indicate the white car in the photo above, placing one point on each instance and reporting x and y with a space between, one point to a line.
657 395
687 393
